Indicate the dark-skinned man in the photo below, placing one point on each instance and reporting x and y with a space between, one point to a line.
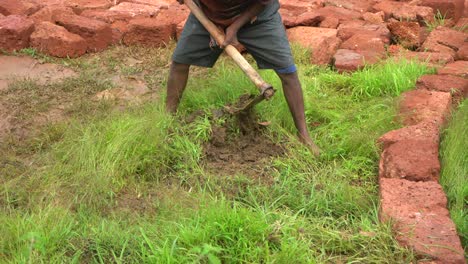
257 25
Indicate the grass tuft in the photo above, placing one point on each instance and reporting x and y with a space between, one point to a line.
390 78
438 21
454 164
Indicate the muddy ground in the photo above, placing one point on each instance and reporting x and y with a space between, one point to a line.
241 146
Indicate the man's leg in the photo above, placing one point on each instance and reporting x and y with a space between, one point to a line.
293 93
176 83
268 43
192 49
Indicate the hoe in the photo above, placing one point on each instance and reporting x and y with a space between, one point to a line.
266 90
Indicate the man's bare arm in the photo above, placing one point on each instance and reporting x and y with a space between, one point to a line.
240 21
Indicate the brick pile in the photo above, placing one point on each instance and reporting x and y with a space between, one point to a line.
346 34
71 28
409 169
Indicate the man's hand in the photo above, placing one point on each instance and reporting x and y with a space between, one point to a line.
239 22
231 37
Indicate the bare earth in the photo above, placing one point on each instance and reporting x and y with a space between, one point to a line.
14 68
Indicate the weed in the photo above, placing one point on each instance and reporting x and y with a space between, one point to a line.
29 51
390 78
462 28
438 21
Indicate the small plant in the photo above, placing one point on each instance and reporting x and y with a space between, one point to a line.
29 51
207 252
438 21
463 28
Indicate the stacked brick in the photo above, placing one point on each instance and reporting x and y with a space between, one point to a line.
370 30
409 170
71 28
347 34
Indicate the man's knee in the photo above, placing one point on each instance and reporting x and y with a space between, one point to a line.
180 67
288 73
288 78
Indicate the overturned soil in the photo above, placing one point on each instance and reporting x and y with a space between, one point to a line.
241 147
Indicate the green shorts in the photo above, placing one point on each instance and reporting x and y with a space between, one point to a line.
265 39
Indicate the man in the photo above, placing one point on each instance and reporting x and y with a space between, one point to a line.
257 25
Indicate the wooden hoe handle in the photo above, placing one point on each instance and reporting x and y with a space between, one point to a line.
265 88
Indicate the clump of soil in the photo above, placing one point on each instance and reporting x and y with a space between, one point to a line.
241 146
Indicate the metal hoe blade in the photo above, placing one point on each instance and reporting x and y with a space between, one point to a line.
266 95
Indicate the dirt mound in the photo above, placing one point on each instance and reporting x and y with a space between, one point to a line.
241 146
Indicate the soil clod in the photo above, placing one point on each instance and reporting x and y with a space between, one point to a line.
241 146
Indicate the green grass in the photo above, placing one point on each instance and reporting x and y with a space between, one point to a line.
131 187
391 78
439 20
454 157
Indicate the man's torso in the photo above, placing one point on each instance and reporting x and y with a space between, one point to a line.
224 12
